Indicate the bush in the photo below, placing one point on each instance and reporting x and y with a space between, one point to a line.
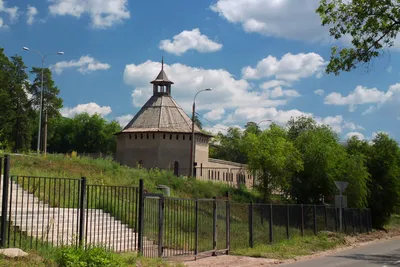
91 257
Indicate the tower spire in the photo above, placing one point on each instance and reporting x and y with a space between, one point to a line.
162 62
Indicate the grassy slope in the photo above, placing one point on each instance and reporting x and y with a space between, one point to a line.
107 172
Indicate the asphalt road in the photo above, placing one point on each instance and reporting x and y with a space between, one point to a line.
382 254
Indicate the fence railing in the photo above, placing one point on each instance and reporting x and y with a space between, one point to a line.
48 211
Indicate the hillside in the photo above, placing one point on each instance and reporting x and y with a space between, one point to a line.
107 172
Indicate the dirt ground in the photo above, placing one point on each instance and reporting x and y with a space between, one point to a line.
242 261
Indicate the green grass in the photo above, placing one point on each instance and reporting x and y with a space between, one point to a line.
394 222
104 171
297 246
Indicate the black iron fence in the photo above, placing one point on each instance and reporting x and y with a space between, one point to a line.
47 211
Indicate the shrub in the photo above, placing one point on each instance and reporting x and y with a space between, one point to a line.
91 257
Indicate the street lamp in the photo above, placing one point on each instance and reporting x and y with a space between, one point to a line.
192 143
41 95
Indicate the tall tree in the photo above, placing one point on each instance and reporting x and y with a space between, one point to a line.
230 146
372 26
51 101
384 167
296 126
273 158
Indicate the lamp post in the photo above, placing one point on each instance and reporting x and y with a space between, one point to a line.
192 143
41 95
263 121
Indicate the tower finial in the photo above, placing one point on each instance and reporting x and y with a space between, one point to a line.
162 62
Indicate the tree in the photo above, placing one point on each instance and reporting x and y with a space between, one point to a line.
372 26
297 126
51 101
252 127
230 146
322 157
384 168
273 158
15 109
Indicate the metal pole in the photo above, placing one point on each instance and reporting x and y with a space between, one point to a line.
45 133
251 229
228 224
192 142
40 110
340 212
141 216
82 209
4 204
214 226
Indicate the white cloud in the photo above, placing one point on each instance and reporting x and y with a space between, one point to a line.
319 92
227 92
31 13
360 136
85 64
220 128
12 13
273 83
103 13
289 67
215 114
279 92
90 108
124 119
362 95
187 40
290 19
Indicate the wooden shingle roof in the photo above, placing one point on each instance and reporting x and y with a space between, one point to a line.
161 113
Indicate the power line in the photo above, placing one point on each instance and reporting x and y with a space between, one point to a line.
215 125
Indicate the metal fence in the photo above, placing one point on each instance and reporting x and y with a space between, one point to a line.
47 211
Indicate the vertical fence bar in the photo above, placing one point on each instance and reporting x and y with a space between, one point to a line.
141 217
336 220
302 220
251 226
271 223
326 218
360 220
196 226
82 210
160 225
353 221
4 203
315 218
287 221
214 226
228 223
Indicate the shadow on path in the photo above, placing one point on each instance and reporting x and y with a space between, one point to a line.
389 260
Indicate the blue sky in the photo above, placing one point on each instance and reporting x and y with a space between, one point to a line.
264 60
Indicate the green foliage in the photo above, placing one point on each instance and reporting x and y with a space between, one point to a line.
91 257
371 24
83 133
384 168
230 146
273 158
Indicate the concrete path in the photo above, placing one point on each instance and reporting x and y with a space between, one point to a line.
381 253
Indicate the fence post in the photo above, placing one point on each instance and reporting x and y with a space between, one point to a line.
353 222
196 233
141 217
302 220
336 220
315 219
4 204
82 209
228 223
251 230
214 226
326 218
160 225
271 223
361 226
287 221
344 219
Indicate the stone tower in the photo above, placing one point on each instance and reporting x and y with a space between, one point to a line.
159 135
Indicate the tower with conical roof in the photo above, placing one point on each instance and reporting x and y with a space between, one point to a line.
159 135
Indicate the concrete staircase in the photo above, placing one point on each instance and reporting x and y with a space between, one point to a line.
59 226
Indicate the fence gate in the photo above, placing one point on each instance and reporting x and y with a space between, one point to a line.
152 217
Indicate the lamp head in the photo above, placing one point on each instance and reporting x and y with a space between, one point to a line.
60 53
25 48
